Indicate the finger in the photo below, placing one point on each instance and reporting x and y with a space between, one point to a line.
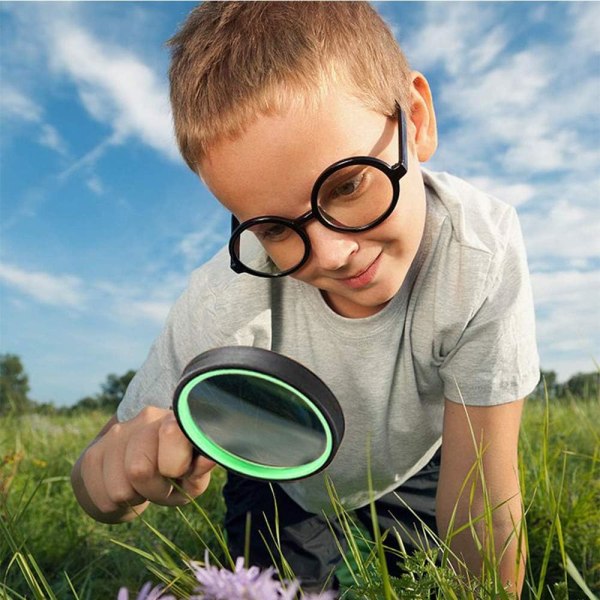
117 485
94 479
141 464
196 480
193 483
174 449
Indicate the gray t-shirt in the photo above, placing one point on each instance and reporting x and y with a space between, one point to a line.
461 327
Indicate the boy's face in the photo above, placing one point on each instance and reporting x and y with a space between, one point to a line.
271 168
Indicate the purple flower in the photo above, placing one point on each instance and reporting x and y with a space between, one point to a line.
146 593
245 584
239 584
322 596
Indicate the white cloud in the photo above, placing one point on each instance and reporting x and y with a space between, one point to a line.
199 245
568 308
152 311
14 104
50 138
457 36
130 302
135 302
529 112
585 28
115 86
55 290
95 185
566 229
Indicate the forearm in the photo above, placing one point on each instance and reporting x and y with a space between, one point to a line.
496 537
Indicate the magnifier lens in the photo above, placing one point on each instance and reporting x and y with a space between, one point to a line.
258 413
257 418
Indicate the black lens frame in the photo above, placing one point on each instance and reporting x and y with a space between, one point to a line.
393 172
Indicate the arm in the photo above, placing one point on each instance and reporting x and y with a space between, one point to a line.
495 429
129 464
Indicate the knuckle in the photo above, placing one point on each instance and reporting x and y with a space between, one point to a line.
115 431
170 428
140 468
105 505
173 471
92 458
150 413
121 496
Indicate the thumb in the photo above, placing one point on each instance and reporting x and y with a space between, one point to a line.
197 478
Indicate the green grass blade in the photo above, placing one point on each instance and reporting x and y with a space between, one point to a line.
578 579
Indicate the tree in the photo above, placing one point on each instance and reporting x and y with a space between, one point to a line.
113 390
583 385
14 385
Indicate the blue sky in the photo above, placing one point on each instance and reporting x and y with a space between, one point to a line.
101 222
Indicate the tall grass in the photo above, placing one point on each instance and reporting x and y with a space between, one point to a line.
50 549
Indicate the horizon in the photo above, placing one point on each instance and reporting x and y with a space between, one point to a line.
102 222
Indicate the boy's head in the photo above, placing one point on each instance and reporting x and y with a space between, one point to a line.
290 113
234 61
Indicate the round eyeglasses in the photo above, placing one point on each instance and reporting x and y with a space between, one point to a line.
352 195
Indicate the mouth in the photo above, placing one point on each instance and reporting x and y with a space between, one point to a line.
363 278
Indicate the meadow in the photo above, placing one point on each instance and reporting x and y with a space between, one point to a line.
50 549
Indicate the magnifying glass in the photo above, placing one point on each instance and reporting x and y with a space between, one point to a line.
258 413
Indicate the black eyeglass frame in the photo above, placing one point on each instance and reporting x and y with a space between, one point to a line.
393 172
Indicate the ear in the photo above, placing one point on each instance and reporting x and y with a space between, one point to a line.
423 117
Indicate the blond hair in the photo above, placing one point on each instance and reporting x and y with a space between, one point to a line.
233 61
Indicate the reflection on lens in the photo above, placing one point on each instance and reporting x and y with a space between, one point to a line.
270 247
257 419
355 196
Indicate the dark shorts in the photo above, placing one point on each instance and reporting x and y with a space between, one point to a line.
306 540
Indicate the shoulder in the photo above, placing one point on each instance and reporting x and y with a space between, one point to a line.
476 248
478 220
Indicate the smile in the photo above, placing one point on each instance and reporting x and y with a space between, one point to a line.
363 278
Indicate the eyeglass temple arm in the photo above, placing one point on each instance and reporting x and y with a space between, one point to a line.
403 162
233 264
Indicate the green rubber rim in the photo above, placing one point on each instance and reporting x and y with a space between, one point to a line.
236 463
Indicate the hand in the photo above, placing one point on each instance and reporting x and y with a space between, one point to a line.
135 462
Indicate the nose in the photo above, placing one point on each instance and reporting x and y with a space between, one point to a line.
330 250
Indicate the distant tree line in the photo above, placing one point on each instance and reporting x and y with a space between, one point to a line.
14 390
580 385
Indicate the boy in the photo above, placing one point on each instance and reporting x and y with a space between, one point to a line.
406 291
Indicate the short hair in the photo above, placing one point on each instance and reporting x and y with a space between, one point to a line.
233 61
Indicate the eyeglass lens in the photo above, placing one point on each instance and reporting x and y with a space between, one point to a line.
354 196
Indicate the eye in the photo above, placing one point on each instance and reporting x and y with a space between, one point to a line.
345 188
272 232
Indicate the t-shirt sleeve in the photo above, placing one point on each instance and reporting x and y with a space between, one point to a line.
495 359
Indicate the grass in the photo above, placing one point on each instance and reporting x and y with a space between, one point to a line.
50 549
